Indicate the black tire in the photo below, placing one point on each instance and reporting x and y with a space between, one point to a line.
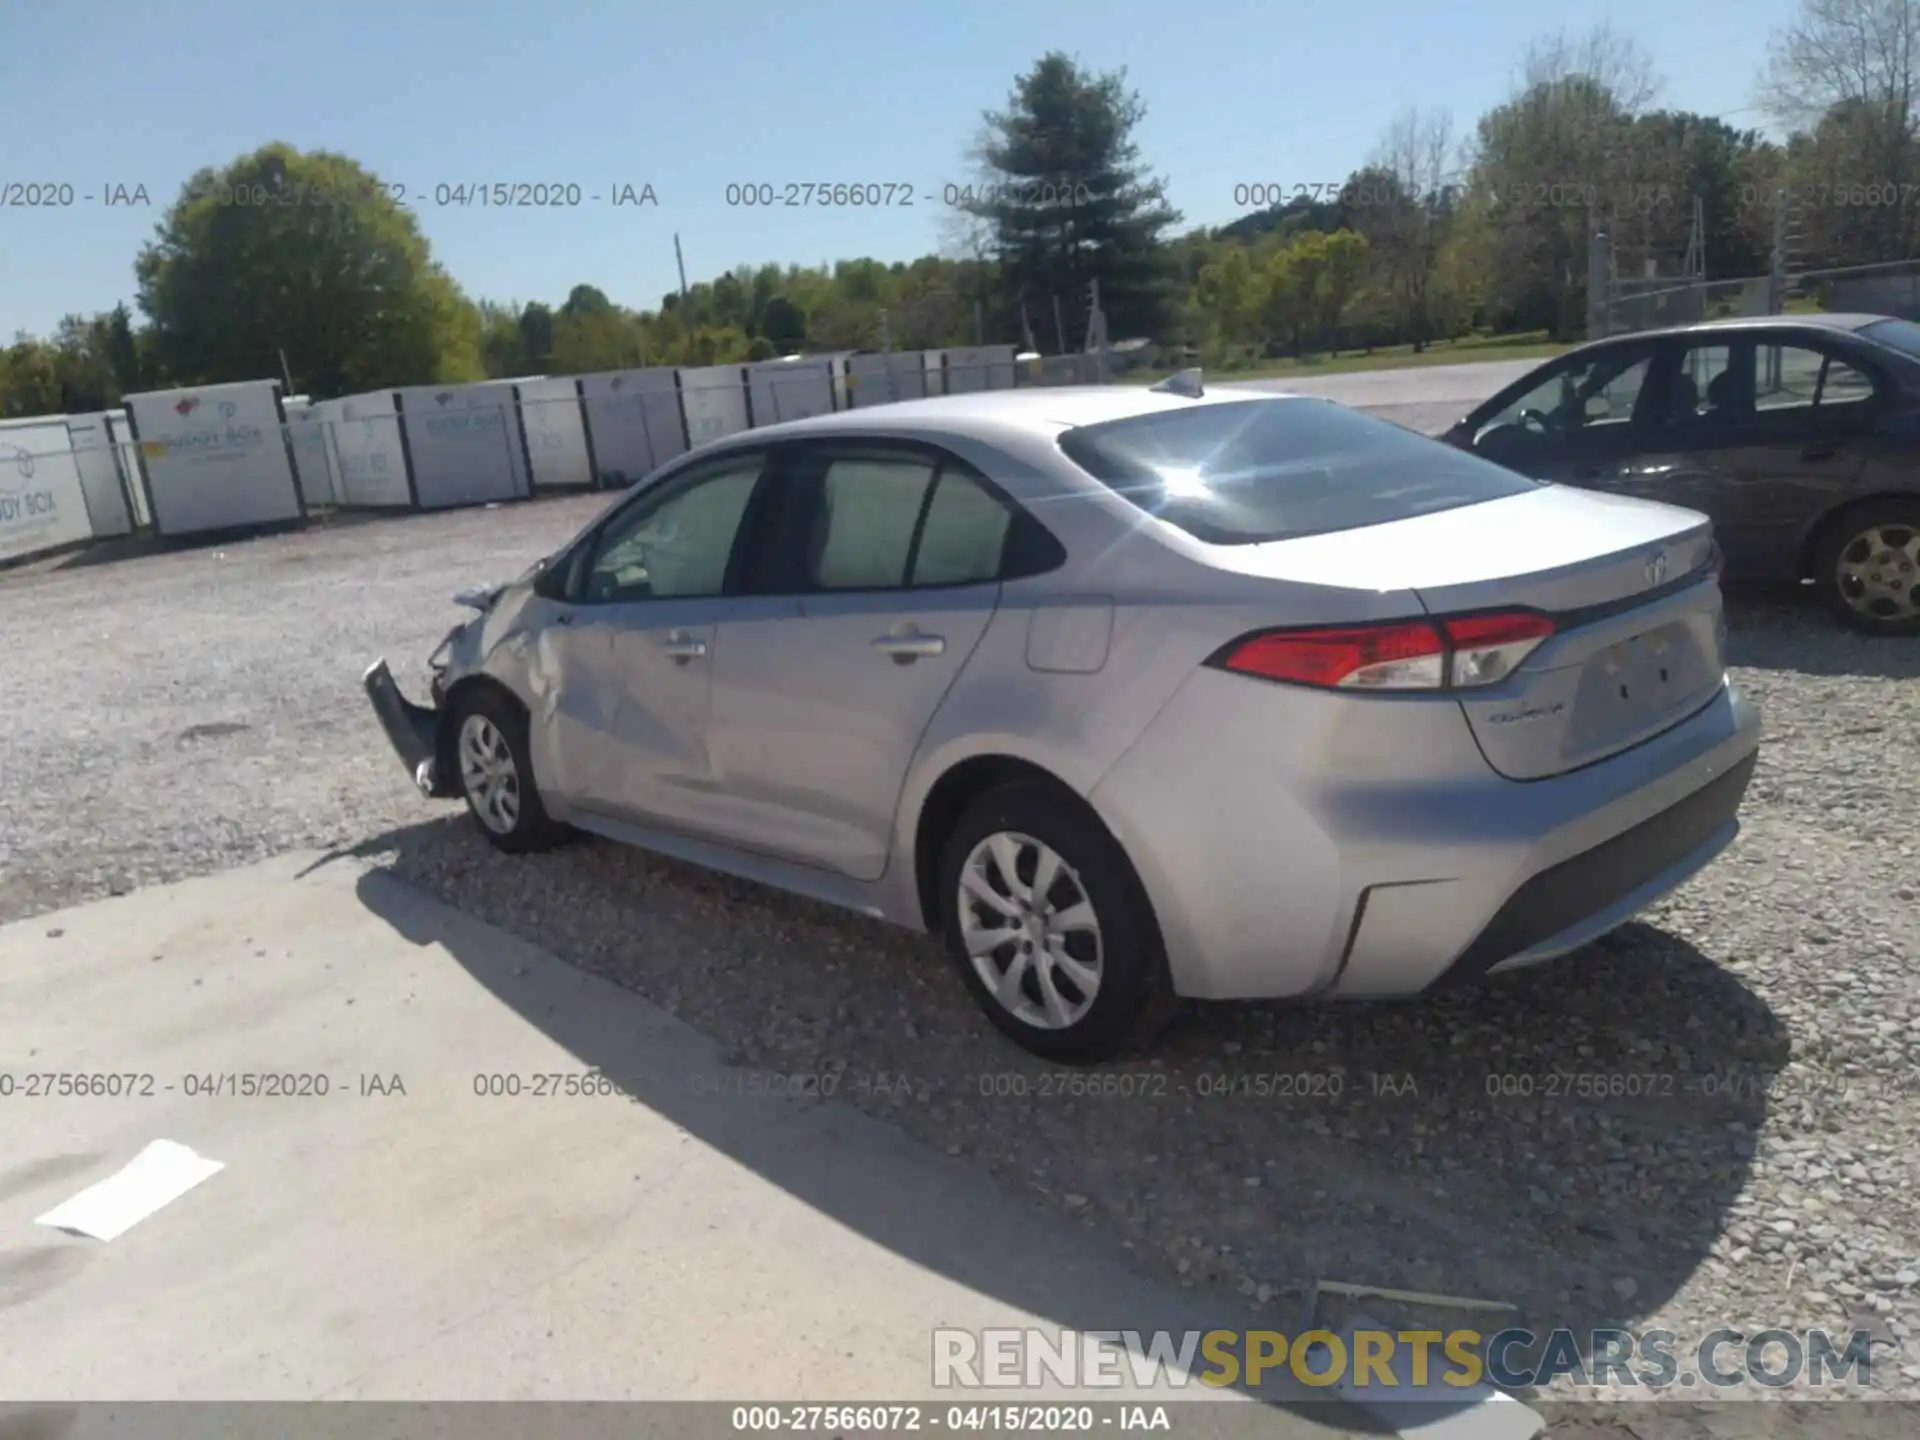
530 827
1134 997
1849 544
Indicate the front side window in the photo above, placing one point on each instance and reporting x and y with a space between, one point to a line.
1238 472
1577 397
674 544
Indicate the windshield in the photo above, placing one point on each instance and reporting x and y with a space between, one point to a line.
1243 472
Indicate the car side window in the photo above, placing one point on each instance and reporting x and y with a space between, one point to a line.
1809 383
1593 396
864 521
676 542
964 538
1705 390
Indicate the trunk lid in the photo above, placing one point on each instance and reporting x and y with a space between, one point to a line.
1639 640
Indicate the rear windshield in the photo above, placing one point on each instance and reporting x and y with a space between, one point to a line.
1241 472
1902 335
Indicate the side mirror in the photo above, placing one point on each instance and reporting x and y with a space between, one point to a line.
550 581
1598 408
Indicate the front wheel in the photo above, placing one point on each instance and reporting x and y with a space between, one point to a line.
1051 929
496 774
1869 568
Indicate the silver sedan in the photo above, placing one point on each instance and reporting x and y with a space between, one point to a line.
1129 694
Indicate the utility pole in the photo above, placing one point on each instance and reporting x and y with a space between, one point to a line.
1599 285
1097 335
680 261
285 373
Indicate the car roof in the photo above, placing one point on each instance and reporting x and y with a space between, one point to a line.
1037 410
1821 321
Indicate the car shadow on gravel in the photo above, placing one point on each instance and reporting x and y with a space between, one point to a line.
1775 629
1566 1139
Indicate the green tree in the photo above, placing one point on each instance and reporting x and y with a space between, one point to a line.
1343 265
318 261
586 300
1234 296
1548 159
783 325
1072 203
536 338
29 379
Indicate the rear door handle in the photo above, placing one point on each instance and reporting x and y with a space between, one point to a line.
904 648
1589 472
683 647
1821 450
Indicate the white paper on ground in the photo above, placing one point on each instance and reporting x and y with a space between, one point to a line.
159 1174
1434 1411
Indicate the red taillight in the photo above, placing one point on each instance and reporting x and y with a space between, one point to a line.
1455 651
1351 655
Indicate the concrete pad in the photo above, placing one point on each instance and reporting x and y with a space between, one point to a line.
403 1237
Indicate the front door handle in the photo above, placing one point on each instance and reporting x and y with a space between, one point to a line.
683 647
910 647
1821 450
1589 472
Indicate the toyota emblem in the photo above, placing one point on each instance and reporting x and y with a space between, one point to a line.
1657 567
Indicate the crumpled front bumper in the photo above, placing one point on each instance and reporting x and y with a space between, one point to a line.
413 731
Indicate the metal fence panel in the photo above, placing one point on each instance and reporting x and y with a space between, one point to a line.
556 434
215 457
714 399
42 503
465 444
108 508
634 422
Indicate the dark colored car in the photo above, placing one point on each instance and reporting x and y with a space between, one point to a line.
1798 436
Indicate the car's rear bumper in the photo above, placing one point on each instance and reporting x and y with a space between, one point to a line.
1579 900
1294 844
412 730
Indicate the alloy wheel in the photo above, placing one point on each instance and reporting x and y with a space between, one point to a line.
1030 930
1878 573
489 775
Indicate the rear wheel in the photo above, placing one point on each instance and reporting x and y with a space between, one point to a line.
496 774
1869 568
1050 928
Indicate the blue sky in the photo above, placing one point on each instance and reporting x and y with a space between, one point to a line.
691 97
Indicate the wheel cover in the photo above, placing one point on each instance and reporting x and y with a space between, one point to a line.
488 775
1030 930
1878 573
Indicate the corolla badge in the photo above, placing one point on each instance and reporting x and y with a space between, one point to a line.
1522 716
1657 567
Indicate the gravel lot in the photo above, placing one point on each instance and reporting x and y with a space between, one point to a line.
185 712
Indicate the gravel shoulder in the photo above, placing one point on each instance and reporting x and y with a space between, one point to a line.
1708 1120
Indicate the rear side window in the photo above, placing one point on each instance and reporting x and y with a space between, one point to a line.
1902 335
1238 473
